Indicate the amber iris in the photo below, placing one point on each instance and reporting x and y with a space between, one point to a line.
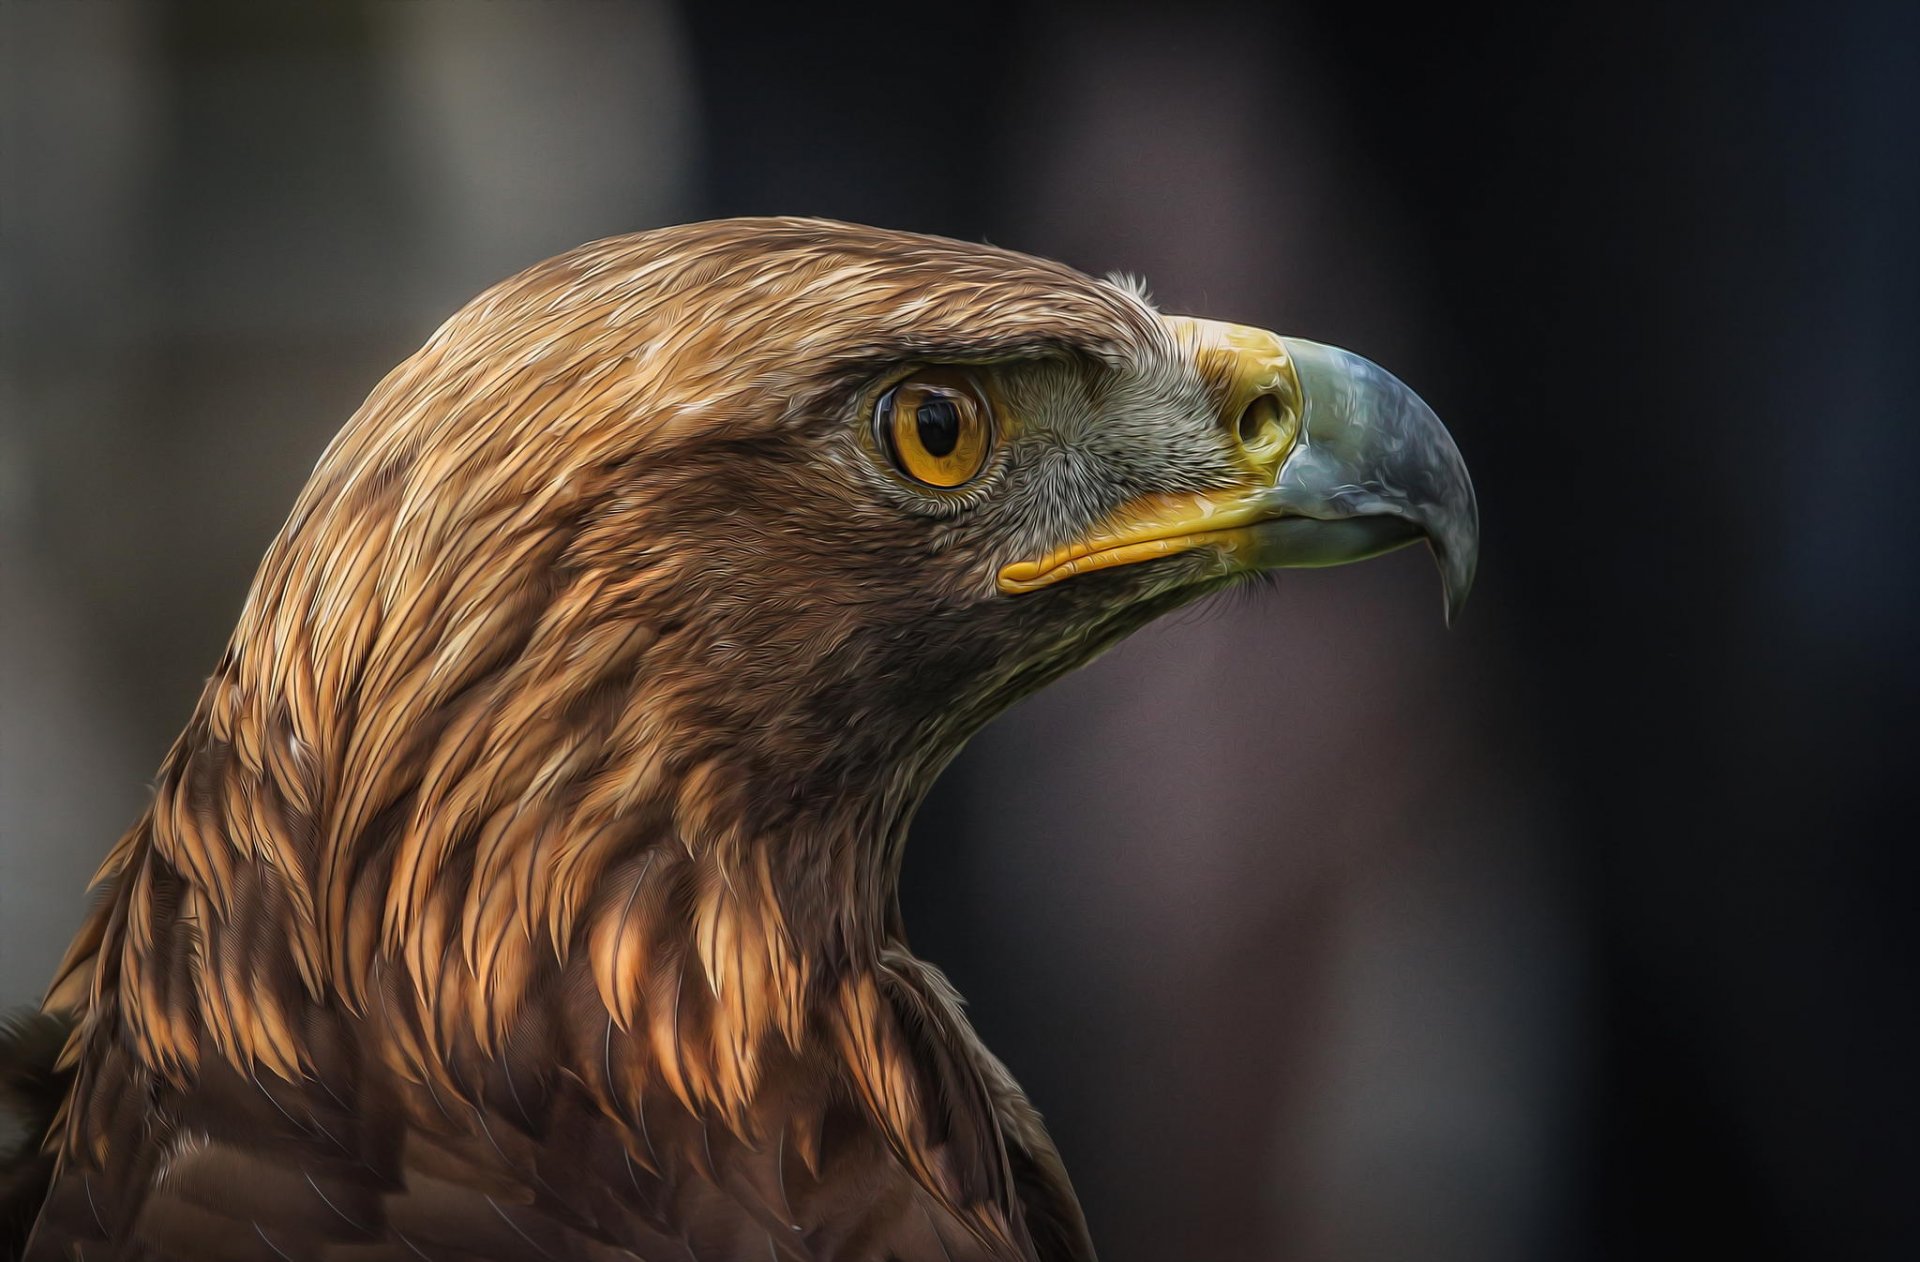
936 429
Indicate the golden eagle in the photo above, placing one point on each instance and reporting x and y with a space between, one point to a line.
523 885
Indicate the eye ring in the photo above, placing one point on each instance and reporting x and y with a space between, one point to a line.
936 428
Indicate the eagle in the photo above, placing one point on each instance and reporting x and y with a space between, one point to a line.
523 885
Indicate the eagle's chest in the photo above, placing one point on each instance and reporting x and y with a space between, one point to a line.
366 1165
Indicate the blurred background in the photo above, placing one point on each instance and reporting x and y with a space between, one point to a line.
1586 930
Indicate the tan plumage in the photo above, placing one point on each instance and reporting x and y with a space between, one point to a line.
522 885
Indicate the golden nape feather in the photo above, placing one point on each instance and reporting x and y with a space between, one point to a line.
523 884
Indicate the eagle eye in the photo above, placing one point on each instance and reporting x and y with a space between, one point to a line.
936 428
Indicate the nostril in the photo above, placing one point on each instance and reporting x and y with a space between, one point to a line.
1267 427
1261 421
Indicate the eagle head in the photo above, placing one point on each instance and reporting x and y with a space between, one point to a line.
565 749
780 511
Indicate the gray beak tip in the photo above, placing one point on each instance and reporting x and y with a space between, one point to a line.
1456 580
1455 542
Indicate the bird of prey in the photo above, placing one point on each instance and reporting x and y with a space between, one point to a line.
523 885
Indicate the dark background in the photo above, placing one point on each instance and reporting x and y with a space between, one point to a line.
1586 930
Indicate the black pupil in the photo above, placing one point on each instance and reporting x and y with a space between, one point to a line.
937 421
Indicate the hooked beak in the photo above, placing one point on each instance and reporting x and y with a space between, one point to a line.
1344 463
